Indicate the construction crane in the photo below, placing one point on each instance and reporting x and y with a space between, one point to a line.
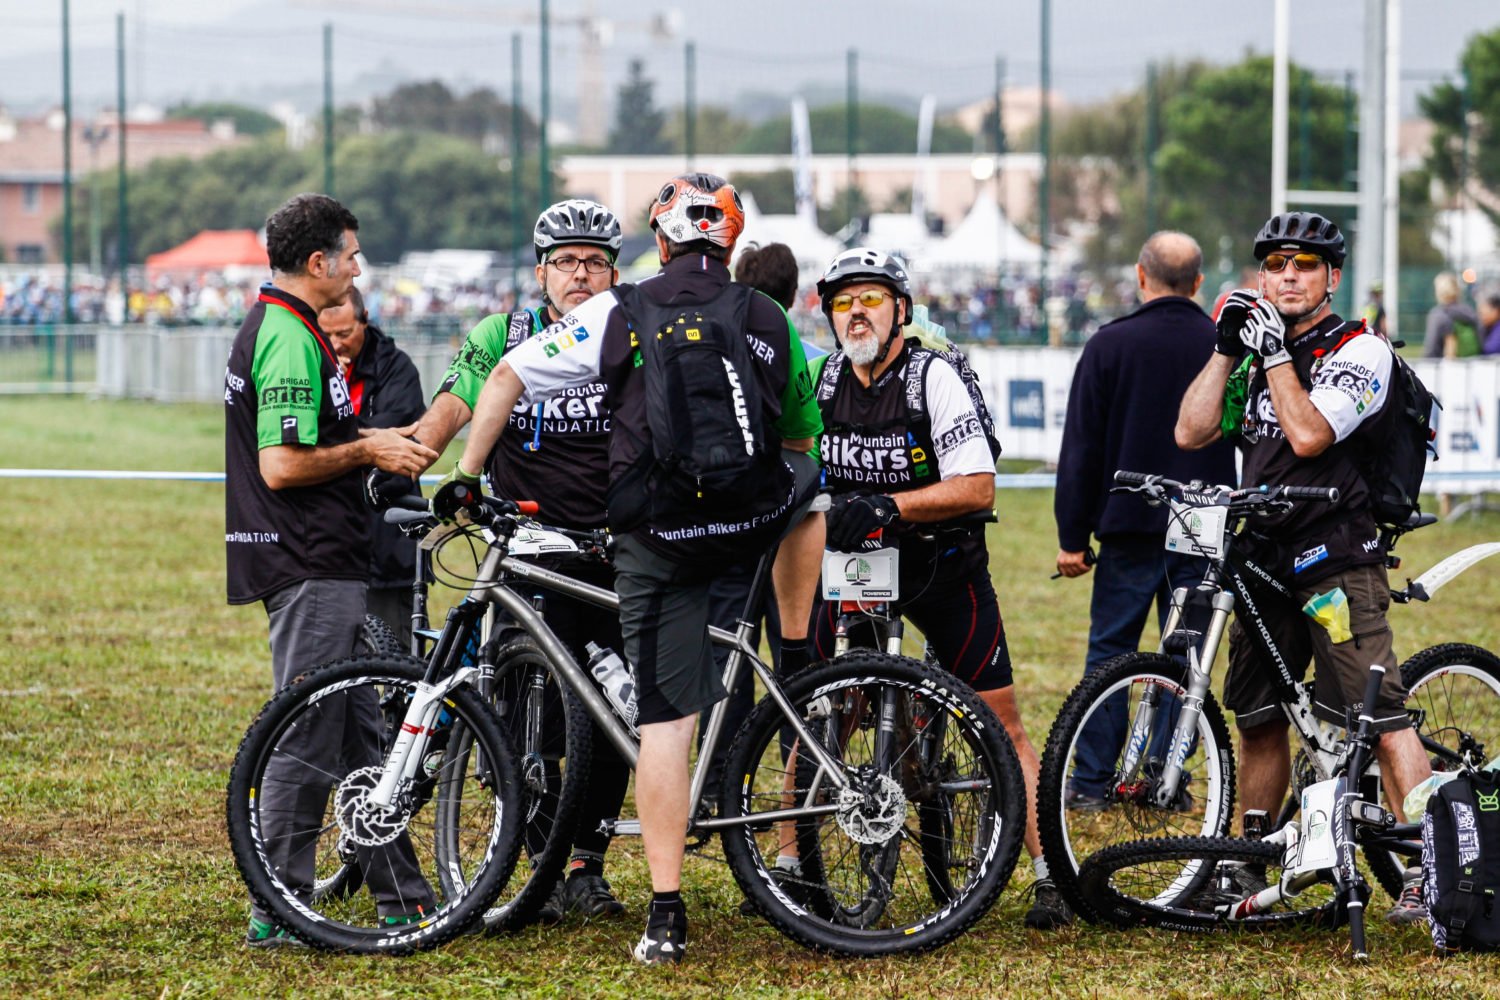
595 34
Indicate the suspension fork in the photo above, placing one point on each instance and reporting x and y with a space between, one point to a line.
849 615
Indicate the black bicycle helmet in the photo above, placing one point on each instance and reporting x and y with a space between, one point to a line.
861 264
1301 231
577 221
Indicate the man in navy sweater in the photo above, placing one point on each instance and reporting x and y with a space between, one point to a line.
1122 415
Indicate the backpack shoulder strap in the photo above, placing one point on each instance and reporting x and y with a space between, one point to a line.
828 378
521 326
918 361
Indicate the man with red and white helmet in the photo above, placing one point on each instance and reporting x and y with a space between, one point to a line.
665 559
557 455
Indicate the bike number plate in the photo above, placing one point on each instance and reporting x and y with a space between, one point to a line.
861 576
1199 531
1316 847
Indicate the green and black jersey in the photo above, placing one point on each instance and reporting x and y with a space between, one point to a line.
556 452
283 387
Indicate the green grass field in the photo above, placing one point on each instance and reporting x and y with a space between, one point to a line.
127 683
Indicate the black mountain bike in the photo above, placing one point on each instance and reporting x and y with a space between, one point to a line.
1173 774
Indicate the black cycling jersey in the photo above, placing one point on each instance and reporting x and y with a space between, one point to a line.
283 386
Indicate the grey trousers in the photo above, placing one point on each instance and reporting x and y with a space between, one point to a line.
311 623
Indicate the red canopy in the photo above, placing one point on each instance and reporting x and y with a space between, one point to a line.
210 250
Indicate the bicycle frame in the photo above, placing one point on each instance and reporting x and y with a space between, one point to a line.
491 588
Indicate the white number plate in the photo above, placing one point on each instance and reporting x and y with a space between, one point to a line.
540 542
1197 531
861 576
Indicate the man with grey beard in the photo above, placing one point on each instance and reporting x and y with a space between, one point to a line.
903 450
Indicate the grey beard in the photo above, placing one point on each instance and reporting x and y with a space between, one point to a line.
863 352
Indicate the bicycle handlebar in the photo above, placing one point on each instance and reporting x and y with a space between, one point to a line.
1161 484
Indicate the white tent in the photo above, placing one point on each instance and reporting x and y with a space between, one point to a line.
900 233
983 241
812 247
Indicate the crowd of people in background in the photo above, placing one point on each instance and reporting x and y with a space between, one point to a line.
1013 313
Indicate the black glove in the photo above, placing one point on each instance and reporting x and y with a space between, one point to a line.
1232 316
851 521
457 491
383 488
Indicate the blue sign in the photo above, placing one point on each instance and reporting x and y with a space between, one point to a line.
1027 404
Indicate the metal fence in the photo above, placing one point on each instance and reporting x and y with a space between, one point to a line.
169 364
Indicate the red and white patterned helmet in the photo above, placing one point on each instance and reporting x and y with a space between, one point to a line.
697 207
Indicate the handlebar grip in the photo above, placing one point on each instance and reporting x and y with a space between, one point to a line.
528 507
400 517
1130 478
410 501
1325 494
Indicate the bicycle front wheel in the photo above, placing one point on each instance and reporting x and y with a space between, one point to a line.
1140 694
339 872
1192 883
552 736
1453 689
924 834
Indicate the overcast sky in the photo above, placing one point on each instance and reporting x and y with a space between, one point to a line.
259 50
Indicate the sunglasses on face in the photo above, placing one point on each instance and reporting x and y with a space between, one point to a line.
567 265
1302 261
870 299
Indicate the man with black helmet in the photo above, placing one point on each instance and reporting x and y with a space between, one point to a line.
668 551
1317 388
556 453
903 446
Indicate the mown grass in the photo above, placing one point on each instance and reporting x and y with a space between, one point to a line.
127 682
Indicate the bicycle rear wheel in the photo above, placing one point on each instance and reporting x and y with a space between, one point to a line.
334 869
1109 702
1188 883
1453 689
869 859
553 737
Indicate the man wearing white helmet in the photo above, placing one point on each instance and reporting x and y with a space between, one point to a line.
671 544
904 447
558 455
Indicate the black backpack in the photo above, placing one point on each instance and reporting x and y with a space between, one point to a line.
1461 863
711 453
922 356
1393 458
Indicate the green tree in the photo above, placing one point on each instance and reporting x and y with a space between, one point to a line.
429 106
442 191
1445 105
882 129
247 120
639 123
775 191
836 215
716 130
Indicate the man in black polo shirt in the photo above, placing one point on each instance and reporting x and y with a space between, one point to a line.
1121 415
296 530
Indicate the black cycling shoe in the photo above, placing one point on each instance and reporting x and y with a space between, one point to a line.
1049 910
591 896
665 939
555 907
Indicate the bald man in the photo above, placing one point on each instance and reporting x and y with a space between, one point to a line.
1122 415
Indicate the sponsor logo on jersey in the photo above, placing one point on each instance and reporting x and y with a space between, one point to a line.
1311 557
563 340
965 429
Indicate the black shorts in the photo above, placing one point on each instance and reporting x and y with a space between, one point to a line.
960 619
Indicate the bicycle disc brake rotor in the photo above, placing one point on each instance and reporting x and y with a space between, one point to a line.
872 810
362 821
